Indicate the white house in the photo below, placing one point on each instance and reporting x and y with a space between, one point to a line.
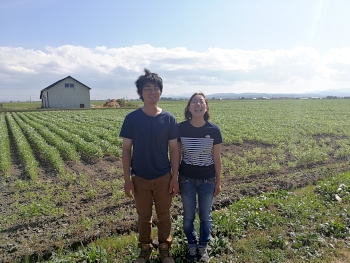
66 93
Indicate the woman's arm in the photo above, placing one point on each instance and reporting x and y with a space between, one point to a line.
217 166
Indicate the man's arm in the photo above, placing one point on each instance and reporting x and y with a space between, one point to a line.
175 161
217 166
126 159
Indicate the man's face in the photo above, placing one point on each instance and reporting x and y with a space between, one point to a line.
150 93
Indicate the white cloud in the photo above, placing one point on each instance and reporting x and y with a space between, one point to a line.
112 71
21 69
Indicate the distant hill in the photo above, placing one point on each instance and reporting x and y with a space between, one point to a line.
248 95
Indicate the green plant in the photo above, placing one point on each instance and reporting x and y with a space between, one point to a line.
24 148
5 158
92 193
333 228
86 254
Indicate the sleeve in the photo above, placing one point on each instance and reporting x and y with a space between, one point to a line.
218 136
179 129
126 131
174 129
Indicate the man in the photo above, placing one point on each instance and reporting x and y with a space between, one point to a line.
149 131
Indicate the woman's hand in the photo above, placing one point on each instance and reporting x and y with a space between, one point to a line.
217 189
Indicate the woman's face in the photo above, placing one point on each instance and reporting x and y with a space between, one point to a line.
197 106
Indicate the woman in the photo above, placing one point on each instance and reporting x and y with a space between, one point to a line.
199 174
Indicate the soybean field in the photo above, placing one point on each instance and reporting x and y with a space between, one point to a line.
61 178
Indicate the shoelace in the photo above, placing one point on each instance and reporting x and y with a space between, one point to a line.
145 253
202 251
193 251
164 253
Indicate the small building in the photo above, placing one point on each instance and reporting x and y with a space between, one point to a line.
65 94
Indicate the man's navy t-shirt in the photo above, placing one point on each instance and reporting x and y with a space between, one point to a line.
150 136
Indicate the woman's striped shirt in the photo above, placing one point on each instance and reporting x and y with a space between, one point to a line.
197 149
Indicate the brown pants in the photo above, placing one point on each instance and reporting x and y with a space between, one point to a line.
147 191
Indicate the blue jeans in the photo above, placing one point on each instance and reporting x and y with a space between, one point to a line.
189 188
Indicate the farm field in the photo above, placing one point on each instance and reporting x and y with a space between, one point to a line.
35 105
61 173
20 105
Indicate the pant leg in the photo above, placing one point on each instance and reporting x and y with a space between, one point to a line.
205 190
188 196
144 203
162 201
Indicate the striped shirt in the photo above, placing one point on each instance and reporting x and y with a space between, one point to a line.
197 149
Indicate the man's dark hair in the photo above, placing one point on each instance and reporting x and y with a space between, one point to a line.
148 77
188 114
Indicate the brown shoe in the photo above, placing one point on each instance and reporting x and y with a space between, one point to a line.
164 253
145 254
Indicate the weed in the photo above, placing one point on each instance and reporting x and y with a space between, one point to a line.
92 193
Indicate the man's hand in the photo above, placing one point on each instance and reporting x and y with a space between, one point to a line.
217 189
129 186
173 187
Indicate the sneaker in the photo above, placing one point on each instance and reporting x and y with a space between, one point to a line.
192 254
164 253
203 254
145 254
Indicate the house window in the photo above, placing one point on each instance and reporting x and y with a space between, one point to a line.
69 85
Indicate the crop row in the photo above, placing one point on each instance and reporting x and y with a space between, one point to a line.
54 137
5 157
89 148
106 127
99 137
50 152
23 147
300 132
66 149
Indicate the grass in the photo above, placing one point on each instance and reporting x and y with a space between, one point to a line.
36 105
21 105
310 224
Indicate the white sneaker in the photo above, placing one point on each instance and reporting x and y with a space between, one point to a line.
203 254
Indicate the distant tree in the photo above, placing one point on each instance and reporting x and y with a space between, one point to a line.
166 98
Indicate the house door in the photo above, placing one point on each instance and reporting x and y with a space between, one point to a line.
82 106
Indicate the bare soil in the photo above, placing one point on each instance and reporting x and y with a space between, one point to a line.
39 236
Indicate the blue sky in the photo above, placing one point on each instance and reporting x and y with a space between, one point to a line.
213 46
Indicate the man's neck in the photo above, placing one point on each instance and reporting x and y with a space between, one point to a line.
151 109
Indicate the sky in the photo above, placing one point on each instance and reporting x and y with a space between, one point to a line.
221 46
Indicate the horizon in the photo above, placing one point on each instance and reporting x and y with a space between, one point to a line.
230 96
216 47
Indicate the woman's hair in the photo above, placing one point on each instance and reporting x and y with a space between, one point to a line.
148 77
188 114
